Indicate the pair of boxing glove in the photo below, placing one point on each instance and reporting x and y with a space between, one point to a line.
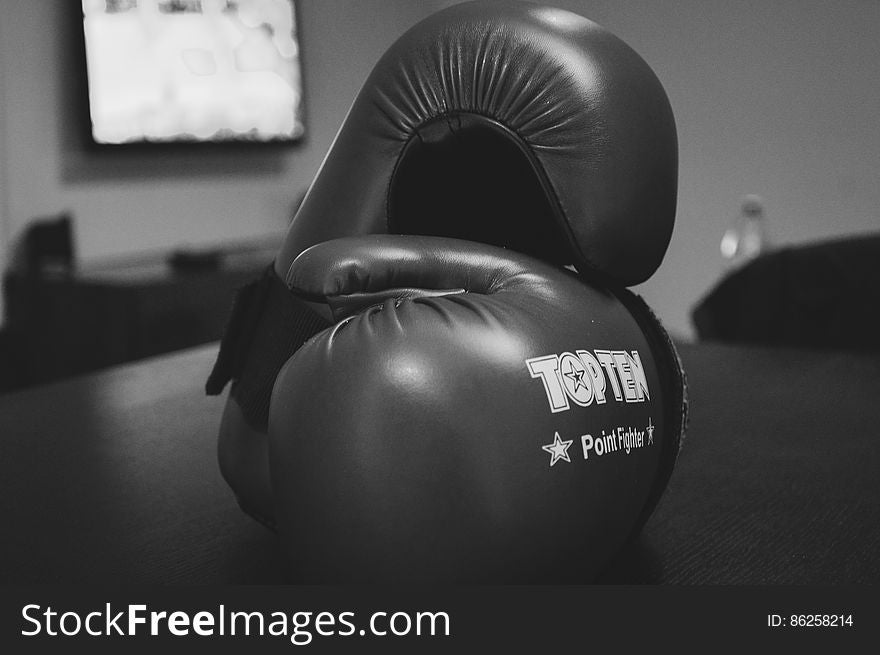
443 377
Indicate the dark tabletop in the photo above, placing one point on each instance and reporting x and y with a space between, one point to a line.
113 478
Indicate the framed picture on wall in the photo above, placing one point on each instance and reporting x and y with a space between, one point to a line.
172 71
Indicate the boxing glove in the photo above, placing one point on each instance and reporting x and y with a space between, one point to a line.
474 415
506 123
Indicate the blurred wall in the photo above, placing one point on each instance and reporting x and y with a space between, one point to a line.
778 98
132 202
4 195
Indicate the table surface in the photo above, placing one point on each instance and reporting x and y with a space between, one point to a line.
113 478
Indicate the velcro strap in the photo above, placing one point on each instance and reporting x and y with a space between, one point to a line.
268 324
674 380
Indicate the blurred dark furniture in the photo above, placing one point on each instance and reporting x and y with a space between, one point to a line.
823 295
63 323
47 247
112 478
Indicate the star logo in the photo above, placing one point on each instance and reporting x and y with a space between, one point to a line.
558 449
576 375
650 430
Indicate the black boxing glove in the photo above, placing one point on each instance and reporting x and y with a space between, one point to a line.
475 415
508 123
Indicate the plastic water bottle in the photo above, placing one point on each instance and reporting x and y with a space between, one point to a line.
746 238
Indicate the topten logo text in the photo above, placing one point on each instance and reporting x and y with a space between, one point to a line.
583 377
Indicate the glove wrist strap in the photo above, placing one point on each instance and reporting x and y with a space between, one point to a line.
268 324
